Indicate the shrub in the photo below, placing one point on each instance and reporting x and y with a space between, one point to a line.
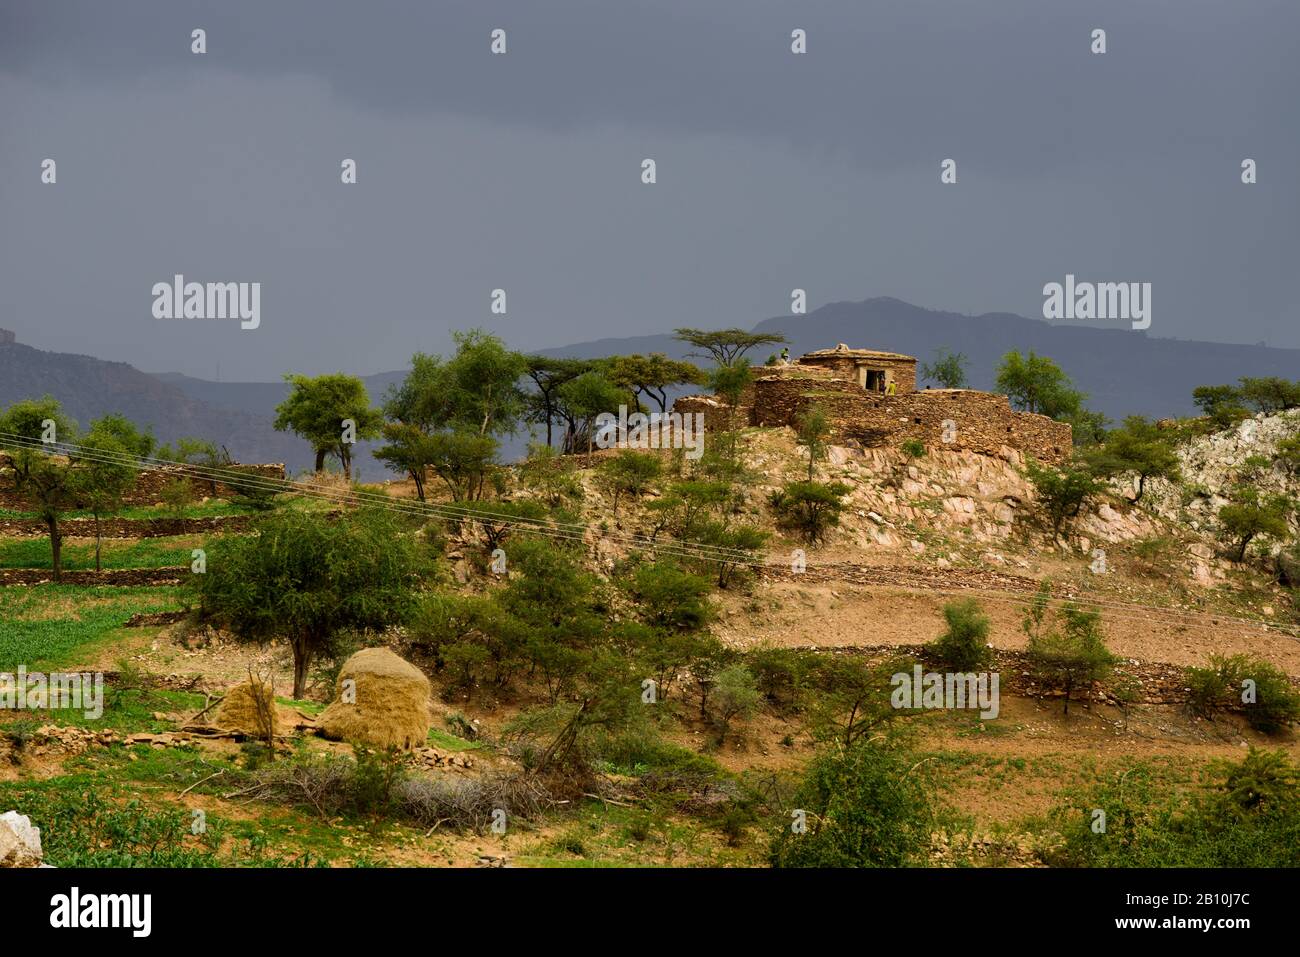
1247 815
813 508
1069 654
177 496
1061 492
964 645
735 695
1269 702
913 448
867 805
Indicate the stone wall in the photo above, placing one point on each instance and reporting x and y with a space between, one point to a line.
149 483
717 415
954 419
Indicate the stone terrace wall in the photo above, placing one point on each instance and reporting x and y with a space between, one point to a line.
149 483
715 411
982 422
778 399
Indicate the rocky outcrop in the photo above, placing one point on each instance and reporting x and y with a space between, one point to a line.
1213 464
20 841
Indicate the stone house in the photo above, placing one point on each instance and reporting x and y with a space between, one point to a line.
872 401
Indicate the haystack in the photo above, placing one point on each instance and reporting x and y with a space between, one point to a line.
389 704
238 710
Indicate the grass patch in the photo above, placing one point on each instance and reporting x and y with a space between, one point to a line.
115 553
47 626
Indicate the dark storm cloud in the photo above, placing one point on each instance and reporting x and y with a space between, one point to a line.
776 171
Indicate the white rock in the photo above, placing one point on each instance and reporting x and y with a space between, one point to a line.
20 841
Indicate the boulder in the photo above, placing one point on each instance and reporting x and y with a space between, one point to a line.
20 841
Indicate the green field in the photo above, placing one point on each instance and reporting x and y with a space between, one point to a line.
48 626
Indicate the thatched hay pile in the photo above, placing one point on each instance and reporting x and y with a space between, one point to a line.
238 711
390 706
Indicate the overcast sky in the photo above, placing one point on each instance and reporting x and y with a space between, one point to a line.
522 171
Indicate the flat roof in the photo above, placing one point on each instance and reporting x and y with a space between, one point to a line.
844 352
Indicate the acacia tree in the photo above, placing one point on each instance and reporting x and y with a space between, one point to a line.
1248 516
548 374
653 375
447 412
725 346
309 581
317 408
1061 492
107 463
1139 447
44 479
579 402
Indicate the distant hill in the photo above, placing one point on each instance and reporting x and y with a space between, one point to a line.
1122 371
89 388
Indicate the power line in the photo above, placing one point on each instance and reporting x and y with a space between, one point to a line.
565 531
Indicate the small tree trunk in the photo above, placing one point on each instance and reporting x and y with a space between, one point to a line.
320 460
56 547
301 662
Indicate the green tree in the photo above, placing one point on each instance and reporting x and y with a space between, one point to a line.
316 410
1249 515
1035 383
446 414
725 346
547 375
1061 492
1138 447
868 805
1068 653
653 376
730 382
309 581
948 369
1270 394
813 508
1223 404
43 478
135 441
579 401
814 429
735 696
108 463
964 644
